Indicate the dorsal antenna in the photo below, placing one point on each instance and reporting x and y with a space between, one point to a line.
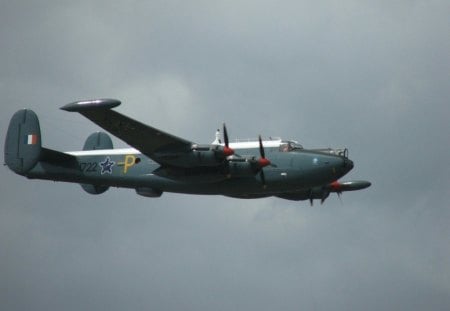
217 141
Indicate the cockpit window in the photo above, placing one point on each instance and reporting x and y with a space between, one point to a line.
288 146
284 147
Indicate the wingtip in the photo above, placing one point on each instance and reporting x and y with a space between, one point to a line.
92 104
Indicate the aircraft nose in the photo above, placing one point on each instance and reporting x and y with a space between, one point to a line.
348 164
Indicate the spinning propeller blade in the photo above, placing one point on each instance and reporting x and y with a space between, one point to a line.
261 148
225 135
262 162
263 178
227 151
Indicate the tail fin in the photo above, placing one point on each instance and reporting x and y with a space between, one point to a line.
97 141
23 142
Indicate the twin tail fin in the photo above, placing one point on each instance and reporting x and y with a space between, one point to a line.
23 144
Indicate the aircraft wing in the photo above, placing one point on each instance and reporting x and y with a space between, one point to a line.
150 141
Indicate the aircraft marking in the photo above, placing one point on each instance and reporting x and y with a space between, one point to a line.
31 139
107 165
129 161
88 167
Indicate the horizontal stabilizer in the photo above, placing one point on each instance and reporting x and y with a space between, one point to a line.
95 104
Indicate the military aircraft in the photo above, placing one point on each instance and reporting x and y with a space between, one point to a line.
160 162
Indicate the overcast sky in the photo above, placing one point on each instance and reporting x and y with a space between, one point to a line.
372 76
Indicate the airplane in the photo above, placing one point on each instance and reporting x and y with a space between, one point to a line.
159 162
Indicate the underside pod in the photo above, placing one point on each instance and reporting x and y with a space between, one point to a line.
148 192
94 189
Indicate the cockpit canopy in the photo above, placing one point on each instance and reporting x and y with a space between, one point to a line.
342 152
289 145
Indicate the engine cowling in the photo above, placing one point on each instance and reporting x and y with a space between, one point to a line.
240 168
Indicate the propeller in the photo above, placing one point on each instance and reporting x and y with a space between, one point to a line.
325 195
321 194
261 148
227 151
337 187
256 164
262 162
340 197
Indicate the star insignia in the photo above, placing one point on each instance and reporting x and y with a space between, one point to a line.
107 166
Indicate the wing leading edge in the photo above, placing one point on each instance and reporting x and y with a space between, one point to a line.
149 140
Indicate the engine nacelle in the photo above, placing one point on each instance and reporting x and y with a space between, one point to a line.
241 168
199 156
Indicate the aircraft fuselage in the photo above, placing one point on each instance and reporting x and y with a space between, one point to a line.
289 172
160 162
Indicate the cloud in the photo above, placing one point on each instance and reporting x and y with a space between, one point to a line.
369 76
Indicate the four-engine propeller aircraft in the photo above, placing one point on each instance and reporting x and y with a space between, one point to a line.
160 162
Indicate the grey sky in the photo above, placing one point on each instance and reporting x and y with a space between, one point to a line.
369 76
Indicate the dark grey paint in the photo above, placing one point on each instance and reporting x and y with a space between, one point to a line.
300 174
